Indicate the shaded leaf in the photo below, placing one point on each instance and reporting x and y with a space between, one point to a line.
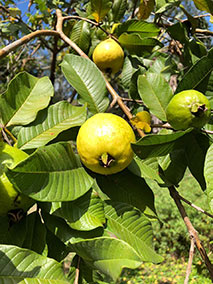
145 8
208 173
100 8
25 96
204 5
49 123
130 225
52 173
118 9
81 35
155 92
88 81
22 263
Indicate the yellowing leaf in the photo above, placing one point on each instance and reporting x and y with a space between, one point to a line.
100 8
145 9
204 5
142 120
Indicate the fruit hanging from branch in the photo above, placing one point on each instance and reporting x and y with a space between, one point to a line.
108 56
104 143
188 108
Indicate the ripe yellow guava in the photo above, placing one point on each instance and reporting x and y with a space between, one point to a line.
104 143
188 108
108 56
10 199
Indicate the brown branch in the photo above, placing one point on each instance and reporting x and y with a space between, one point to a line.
54 60
191 229
191 255
77 271
7 49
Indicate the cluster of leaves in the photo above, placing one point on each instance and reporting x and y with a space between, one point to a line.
104 220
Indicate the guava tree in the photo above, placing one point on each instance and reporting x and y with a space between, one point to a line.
51 87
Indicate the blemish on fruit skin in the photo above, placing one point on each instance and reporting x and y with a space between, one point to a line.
52 133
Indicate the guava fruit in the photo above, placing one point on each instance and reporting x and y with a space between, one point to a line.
10 198
108 56
104 143
189 108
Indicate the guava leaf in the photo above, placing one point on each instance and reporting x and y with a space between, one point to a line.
204 5
128 188
144 29
52 173
118 9
135 43
99 8
155 92
157 145
197 76
49 123
84 214
109 255
130 225
208 174
85 77
20 263
196 146
25 96
81 35
29 233
145 8
39 281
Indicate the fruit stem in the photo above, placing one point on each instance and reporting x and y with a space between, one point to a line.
106 160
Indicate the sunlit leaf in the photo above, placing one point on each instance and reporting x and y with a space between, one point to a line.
100 8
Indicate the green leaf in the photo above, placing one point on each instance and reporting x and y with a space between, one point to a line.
198 75
52 173
204 5
109 255
22 263
143 28
81 35
196 146
155 92
127 188
26 95
157 145
208 174
100 8
136 44
118 9
130 225
88 81
38 281
49 123
145 8
84 214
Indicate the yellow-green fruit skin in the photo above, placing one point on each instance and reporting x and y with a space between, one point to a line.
10 199
105 133
179 111
108 55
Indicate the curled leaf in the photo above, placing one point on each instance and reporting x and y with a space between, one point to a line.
142 120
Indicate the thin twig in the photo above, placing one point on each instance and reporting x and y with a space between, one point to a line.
191 229
191 255
10 134
77 271
7 49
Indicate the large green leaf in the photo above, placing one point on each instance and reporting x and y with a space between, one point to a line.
157 145
85 213
19 263
85 77
198 75
208 173
52 173
143 28
100 8
130 225
109 255
37 281
81 35
155 92
49 123
128 188
204 5
25 96
118 9
196 146
136 44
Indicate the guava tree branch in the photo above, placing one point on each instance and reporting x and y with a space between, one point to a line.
192 232
189 266
115 96
10 47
